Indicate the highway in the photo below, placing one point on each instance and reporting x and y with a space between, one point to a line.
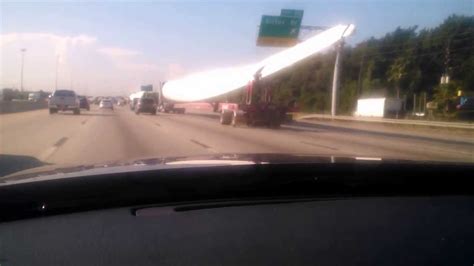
104 135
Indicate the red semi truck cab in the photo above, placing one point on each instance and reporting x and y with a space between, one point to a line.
255 109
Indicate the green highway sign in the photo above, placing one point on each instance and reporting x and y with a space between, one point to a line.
279 31
292 13
146 88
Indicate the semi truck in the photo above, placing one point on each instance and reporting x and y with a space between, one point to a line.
255 107
163 105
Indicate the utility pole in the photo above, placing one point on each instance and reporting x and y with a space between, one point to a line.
23 50
335 80
445 77
359 79
446 58
361 70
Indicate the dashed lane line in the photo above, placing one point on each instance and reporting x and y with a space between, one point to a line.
207 147
51 150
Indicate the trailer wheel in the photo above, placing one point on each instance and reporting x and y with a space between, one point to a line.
275 125
250 120
234 119
275 119
226 118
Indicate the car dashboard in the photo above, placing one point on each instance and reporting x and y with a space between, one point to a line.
263 214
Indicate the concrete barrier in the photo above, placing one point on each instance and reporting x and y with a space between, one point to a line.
21 106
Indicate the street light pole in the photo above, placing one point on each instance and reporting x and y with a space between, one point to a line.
70 72
56 83
23 50
335 80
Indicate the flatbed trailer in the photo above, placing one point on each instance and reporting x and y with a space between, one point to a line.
166 106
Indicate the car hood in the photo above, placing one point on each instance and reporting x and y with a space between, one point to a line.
50 172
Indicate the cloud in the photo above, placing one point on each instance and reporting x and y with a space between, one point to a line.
175 71
60 43
138 66
126 59
27 36
116 52
84 62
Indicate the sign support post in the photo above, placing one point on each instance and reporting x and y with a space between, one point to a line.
335 79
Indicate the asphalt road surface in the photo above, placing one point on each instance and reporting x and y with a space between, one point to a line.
104 135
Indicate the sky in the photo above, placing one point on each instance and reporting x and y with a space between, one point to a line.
113 47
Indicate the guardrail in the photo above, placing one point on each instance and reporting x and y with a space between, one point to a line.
21 106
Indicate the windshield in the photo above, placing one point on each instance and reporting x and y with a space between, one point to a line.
359 79
63 93
147 101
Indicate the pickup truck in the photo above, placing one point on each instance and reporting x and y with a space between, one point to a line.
64 100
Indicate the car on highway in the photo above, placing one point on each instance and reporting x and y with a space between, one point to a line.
84 103
106 104
146 105
121 102
34 96
64 100
465 108
96 100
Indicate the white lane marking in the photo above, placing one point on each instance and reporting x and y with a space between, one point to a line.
368 158
51 150
203 145
47 153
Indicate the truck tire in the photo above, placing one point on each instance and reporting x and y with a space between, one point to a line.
275 119
250 120
234 119
226 118
52 111
275 125
154 112
77 111
137 112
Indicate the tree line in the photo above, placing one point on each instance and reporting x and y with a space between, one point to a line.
403 63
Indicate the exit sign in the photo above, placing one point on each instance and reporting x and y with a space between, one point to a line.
278 31
292 13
